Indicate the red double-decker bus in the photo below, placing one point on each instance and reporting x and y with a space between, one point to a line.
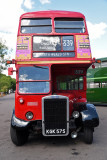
52 57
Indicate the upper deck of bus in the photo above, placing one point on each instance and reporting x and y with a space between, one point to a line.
25 50
52 15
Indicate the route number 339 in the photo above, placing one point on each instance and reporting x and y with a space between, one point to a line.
67 43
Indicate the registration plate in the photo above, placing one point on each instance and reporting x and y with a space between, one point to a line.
55 131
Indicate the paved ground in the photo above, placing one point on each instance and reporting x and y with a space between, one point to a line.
61 148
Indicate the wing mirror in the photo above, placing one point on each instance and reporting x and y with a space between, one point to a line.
10 71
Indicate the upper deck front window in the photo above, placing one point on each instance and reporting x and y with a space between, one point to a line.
69 25
41 25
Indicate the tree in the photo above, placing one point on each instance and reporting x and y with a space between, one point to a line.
3 53
7 83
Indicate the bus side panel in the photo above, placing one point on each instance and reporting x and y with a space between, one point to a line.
97 95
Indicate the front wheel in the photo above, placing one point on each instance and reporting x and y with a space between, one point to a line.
88 135
18 137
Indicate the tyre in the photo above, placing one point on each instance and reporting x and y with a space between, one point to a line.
18 137
88 135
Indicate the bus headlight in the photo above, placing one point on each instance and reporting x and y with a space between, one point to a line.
29 115
75 114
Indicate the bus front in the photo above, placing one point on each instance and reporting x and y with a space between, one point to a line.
52 57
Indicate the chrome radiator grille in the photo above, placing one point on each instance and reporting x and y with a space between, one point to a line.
55 115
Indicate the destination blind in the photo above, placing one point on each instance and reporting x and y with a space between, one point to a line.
53 46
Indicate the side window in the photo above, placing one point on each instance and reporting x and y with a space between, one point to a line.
104 85
93 85
61 83
81 83
69 82
63 86
72 85
76 84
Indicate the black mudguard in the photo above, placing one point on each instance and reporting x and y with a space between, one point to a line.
89 116
16 125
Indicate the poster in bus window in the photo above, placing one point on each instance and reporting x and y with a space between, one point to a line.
23 48
83 46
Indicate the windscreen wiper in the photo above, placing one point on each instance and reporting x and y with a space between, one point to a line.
40 67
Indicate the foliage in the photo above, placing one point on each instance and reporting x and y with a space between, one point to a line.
7 83
3 53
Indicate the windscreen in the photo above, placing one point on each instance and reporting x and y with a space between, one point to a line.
33 73
34 79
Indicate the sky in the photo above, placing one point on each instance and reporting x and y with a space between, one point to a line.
95 12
